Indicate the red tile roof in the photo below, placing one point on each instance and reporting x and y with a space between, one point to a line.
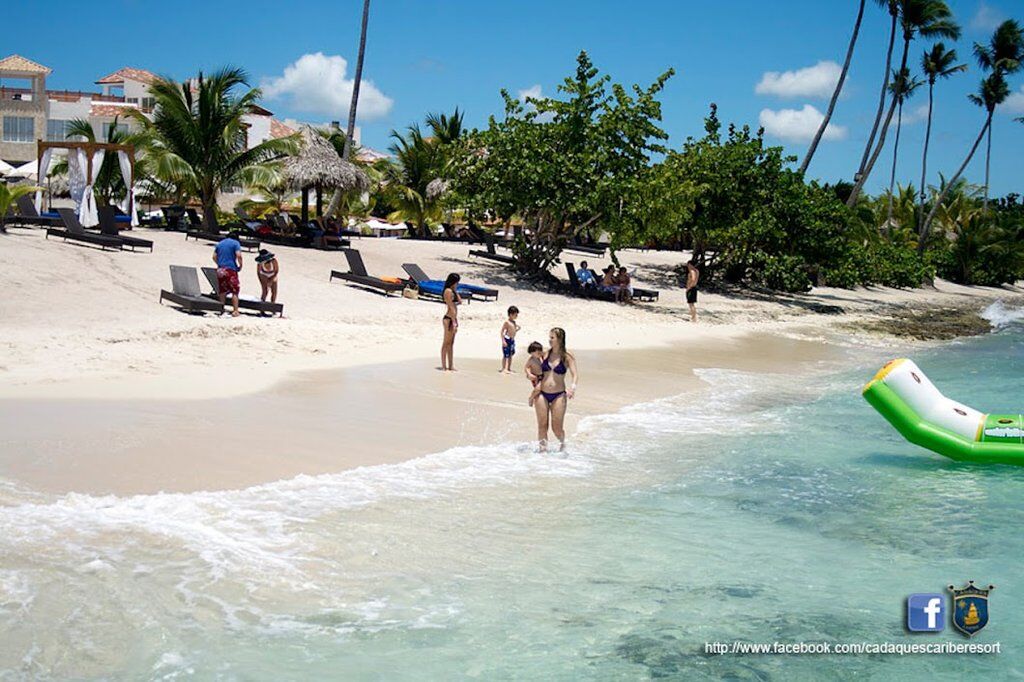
128 74
278 129
16 62
109 110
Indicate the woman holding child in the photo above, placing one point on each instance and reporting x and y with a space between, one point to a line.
551 396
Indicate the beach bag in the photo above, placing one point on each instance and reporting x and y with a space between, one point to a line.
411 291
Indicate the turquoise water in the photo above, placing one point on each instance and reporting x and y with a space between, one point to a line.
767 510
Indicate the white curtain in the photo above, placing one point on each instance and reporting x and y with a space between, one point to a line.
44 165
128 206
87 215
76 176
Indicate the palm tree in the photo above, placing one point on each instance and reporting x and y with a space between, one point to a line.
894 13
1002 55
904 89
835 93
927 18
9 195
350 131
936 63
901 83
418 161
198 137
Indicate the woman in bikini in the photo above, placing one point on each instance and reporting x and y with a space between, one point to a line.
268 269
554 395
450 321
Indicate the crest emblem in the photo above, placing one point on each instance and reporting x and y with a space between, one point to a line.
970 607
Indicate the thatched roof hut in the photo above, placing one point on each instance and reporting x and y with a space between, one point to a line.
318 165
437 188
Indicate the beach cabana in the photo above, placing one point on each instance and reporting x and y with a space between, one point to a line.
84 162
316 167
5 167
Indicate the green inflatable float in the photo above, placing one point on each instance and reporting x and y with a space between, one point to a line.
911 403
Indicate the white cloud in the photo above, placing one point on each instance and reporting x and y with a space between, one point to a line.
1014 104
987 18
814 81
798 125
316 83
533 91
910 117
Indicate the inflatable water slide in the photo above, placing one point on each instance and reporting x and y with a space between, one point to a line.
917 409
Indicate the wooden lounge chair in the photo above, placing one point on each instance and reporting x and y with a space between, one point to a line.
28 216
108 226
185 292
583 248
247 303
492 254
74 231
476 292
357 275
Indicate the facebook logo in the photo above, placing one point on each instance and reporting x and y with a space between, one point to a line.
926 613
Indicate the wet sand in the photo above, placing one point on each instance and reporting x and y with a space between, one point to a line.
327 421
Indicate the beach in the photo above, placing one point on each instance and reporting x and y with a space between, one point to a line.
106 391
246 497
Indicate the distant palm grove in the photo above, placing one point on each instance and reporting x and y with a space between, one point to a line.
592 163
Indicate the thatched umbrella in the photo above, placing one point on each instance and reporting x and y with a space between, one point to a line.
317 165
437 188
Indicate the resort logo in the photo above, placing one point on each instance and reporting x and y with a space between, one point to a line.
1005 432
970 608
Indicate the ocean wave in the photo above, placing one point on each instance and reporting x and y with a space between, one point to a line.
1002 315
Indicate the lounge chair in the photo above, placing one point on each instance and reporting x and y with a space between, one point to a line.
210 236
27 214
638 293
583 248
74 231
186 294
584 292
435 287
357 275
492 254
108 226
248 220
329 241
247 303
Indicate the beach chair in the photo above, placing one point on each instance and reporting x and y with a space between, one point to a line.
575 245
247 303
174 218
491 253
358 276
248 220
435 287
638 293
185 292
248 244
28 216
108 226
74 231
329 241
583 292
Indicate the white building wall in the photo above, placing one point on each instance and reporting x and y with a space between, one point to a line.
259 128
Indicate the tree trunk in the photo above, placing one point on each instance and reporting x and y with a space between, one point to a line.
835 94
895 157
923 236
881 100
924 155
210 209
988 162
859 187
351 130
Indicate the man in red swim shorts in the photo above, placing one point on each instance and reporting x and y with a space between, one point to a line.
227 254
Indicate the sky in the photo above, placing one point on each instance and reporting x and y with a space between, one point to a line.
763 63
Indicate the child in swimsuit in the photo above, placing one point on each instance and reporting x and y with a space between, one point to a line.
533 369
508 340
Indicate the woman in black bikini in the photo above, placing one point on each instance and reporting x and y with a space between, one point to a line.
450 321
554 395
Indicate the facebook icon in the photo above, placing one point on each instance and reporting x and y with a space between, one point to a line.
926 613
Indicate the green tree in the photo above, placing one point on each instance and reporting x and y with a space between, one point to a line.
1002 55
197 138
936 63
567 164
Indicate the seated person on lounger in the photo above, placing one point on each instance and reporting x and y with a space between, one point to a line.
610 282
585 276
625 293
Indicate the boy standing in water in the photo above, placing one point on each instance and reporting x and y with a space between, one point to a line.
533 369
508 340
